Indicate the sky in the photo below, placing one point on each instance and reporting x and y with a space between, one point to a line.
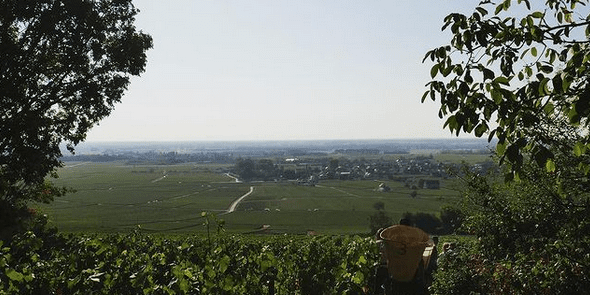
283 70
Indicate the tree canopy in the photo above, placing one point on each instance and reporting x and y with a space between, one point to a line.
518 72
63 67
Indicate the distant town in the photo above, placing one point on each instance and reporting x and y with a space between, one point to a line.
304 161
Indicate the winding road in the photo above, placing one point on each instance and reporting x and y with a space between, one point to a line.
235 203
231 176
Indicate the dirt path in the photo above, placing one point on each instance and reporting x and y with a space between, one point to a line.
231 176
158 179
235 203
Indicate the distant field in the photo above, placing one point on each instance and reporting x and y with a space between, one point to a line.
113 197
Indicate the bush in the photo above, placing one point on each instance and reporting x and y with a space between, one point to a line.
457 270
379 220
530 240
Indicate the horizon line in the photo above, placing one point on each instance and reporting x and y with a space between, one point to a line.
283 140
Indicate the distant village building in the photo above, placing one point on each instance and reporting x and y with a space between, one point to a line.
311 181
384 188
345 175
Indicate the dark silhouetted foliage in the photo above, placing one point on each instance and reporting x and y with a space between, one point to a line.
63 66
517 71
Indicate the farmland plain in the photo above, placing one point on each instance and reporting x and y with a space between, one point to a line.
116 197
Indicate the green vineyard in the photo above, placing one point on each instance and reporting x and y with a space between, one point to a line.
137 263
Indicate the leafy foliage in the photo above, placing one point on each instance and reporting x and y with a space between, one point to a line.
457 271
64 66
136 263
379 220
449 222
451 219
427 222
249 169
530 236
521 77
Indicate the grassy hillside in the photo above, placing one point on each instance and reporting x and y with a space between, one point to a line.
113 197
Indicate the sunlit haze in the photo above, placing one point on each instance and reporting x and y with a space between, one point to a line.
283 70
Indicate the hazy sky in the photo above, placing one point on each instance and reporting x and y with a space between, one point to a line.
283 70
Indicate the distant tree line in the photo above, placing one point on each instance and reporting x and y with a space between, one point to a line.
449 222
154 158
265 169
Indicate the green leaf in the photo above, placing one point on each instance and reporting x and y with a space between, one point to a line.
584 167
517 176
502 80
550 165
573 116
488 74
481 129
463 90
228 284
530 22
362 260
358 277
579 149
537 14
499 8
534 51
184 286
468 77
528 71
224 263
265 264
549 108
552 56
546 69
441 52
451 123
101 250
501 148
14 275
513 153
557 84
565 83
543 89
425 95
582 106
434 70
481 11
447 70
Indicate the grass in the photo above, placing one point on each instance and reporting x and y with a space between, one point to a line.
113 197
